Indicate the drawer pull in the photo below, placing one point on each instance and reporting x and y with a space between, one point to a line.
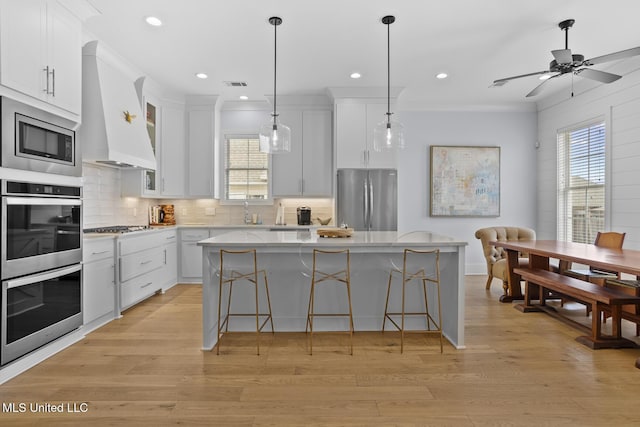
99 253
145 262
170 237
146 285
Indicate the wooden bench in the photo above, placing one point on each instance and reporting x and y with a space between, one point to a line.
600 299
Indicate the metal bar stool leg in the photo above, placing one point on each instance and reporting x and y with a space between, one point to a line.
432 325
250 274
341 276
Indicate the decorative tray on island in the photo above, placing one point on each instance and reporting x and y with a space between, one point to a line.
335 232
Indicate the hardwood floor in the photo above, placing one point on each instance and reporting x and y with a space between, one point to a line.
147 369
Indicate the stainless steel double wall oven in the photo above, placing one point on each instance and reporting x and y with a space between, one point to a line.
41 271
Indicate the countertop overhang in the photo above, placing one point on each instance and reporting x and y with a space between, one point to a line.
380 239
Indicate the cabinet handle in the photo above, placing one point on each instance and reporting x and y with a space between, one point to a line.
170 237
99 253
145 262
146 285
163 186
46 75
53 82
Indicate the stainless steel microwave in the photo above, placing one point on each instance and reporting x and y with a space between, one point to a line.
37 140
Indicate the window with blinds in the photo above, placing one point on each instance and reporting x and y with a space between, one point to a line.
581 183
246 169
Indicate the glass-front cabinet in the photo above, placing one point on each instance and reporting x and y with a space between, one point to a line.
149 177
165 121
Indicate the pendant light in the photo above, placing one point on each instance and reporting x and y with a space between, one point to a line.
388 134
274 136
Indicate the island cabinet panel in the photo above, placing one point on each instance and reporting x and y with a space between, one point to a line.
287 258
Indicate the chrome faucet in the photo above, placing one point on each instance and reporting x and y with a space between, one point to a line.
247 217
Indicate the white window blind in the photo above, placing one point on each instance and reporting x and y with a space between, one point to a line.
581 183
246 169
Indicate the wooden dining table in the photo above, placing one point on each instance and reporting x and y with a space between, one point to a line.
541 251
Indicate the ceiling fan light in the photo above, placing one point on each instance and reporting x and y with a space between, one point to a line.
153 21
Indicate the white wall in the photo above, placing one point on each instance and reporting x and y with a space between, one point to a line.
619 105
513 132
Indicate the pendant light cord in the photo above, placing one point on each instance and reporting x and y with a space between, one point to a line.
388 74
275 61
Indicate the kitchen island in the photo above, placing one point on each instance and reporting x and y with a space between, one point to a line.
287 258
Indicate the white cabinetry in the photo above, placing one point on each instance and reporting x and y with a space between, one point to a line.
202 146
354 136
170 267
191 254
41 52
165 125
172 151
307 170
98 281
142 266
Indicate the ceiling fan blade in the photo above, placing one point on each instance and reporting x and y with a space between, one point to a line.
597 75
501 82
614 56
537 89
562 56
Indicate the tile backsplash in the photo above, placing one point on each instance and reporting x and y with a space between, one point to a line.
103 205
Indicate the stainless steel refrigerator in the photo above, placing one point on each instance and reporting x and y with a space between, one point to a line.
368 199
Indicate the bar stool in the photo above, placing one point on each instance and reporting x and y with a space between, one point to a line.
242 265
341 274
421 262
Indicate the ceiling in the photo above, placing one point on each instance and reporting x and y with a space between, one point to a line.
320 43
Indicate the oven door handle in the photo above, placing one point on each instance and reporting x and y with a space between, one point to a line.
47 275
42 201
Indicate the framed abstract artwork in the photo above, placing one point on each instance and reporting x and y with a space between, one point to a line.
465 181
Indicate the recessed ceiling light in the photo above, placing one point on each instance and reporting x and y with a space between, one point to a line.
545 76
355 75
201 75
244 97
442 76
152 20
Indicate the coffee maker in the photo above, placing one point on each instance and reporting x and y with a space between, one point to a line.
304 215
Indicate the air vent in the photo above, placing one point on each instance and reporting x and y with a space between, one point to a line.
235 84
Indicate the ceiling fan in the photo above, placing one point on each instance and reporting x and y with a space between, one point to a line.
566 62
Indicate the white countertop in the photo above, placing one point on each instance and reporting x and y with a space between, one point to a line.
259 238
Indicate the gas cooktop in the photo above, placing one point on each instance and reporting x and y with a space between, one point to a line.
117 229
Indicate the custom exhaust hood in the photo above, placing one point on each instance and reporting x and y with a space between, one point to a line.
113 130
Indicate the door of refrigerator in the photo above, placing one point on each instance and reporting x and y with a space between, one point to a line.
351 198
383 199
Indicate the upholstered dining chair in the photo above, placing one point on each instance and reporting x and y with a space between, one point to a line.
496 257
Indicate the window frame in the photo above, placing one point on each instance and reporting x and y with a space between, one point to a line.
224 167
566 220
